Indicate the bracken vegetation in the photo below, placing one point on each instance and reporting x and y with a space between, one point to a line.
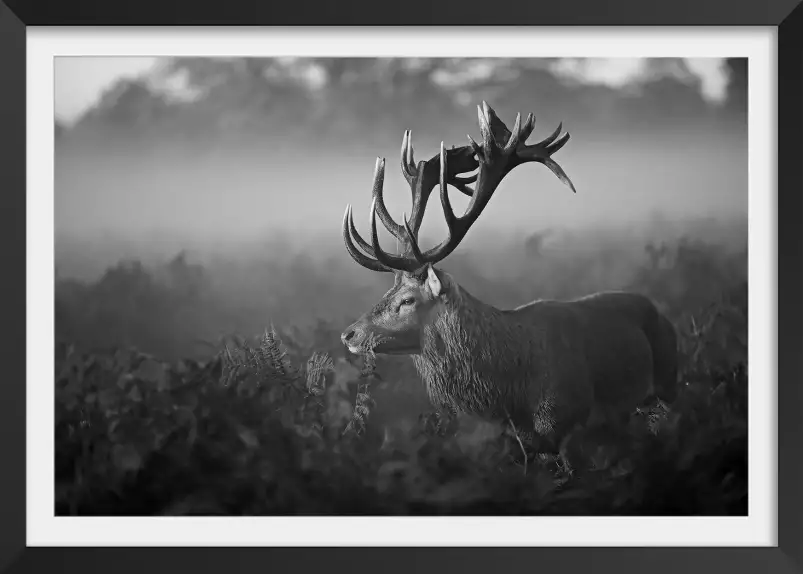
285 423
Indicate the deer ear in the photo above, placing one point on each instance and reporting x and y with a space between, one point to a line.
433 282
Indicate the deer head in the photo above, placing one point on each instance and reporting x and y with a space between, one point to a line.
395 325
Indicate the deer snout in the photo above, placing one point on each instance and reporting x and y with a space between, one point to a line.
354 336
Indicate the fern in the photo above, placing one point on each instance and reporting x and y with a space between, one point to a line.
272 353
313 411
266 360
318 366
363 403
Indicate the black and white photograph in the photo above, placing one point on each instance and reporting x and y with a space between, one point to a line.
392 286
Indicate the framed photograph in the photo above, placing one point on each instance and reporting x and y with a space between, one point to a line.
393 282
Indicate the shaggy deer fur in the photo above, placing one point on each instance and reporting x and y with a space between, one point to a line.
548 366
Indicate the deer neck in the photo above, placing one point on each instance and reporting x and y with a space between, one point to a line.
458 357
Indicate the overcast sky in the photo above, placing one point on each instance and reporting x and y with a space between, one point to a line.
659 141
81 80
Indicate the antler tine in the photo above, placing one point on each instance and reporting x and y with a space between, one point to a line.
549 139
484 116
513 142
561 141
394 262
448 212
422 180
377 193
407 161
361 243
542 153
457 227
413 242
355 253
351 235
527 128
501 151
417 178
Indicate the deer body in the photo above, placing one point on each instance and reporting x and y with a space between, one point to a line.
547 366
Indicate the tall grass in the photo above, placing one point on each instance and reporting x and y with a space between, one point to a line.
195 422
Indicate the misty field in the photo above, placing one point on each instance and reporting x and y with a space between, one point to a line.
222 388
202 283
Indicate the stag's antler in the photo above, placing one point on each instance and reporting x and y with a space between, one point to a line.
501 150
422 179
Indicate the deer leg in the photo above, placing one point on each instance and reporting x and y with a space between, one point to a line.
521 443
608 434
446 420
564 457
561 429
571 454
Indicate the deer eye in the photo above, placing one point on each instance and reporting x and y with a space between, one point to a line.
407 301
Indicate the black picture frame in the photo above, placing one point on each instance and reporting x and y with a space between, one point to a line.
16 15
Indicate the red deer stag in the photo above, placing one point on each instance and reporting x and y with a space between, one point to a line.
547 366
